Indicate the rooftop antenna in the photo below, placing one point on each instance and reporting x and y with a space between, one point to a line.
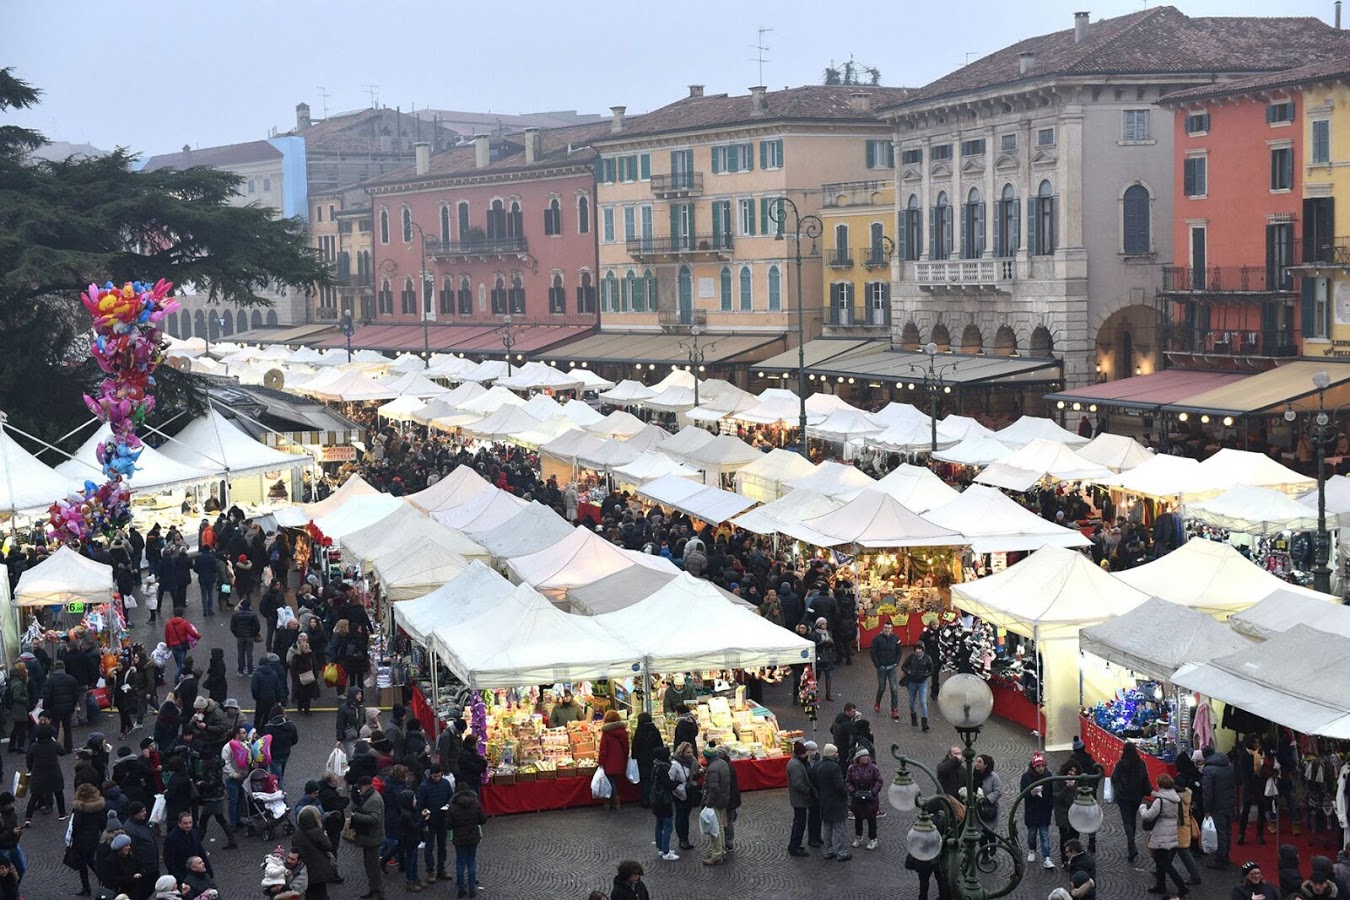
323 99
969 54
760 49
374 91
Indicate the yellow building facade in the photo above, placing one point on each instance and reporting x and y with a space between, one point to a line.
858 242
1324 157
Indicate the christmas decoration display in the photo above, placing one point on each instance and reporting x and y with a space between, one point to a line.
1131 713
127 347
967 649
478 718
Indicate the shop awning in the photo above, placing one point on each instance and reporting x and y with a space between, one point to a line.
299 334
664 349
878 362
1283 609
1268 392
476 339
1156 638
710 504
821 351
1147 391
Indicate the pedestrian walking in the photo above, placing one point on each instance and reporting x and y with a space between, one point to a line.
662 801
1219 786
367 823
1162 815
685 776
46 782
1038 810
800 792
613 755
885 653
864 793
1130 784
466 821
717 798
433 796
833 803
646 739
918 668
316 850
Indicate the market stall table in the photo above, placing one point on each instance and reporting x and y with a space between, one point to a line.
1106 748
1013 705
907 627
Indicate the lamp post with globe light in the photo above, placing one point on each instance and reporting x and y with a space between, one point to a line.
946 831
1322 429
696 353
809 227
933 382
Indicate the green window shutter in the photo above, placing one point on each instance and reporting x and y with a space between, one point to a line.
717 155
764 212
1309 327
674 224
1033 207
763 154
778 145
748 156
646 166
871 154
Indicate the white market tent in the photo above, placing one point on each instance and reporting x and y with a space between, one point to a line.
1296 679
399 529
1156 638
1254 510
504 423
452 490
723 454
155 471
487 370
1029 428
210 442
539 376
483 511
909 436
675 378
617 591
1048 459
543 407
414 384
547 430
917 487
534 528
580 558
1117 452
62 578
709 504
723 405
675 398
26 483
589 380
1162 476
609 453
1048 597
476 590
1338 499
357 514
790 509
897 413
308 386
569 445
649 438
407 362
491 400
1229 467
776 405
618 424
295 516
1282 610
959 428
581 412
834 480
401 409
1210 576
874 520
650 465
440 408
992 522
844 425
728 637
763 479
627 391
354 387
417 569
976 450
688 438
448 367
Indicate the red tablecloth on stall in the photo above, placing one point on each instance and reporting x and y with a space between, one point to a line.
422 711
590 512
1106 748
1013 705
565 793
908 632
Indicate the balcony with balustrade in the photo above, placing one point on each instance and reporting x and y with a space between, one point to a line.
479 248
956 276
677 184
670 248
842 319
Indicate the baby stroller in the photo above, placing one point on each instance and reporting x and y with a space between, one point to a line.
265 807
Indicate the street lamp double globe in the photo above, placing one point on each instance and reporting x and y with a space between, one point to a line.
966 702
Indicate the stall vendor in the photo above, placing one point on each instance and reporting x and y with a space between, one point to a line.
681 690
566 710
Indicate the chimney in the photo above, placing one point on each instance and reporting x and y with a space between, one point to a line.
757 101
423 151
1080 27
302 120
482 150
1026 61
695 90
533 146
616 124
860 102
1338 15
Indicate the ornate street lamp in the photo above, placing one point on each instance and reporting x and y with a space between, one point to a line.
508 341
946 832
935 384
807 226
347 325
696 354
423 296
1323 428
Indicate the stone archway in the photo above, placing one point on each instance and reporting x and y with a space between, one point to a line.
942 337
1042 344
1128 343
1005 341
972 341
909 336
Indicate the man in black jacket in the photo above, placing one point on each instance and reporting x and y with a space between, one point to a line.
268 686
245 627
83 667
918 668
144 841
885 651
59 696
1218 786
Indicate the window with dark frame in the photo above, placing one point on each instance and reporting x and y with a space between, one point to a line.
1197 123
1195 176
1281 168
1136 220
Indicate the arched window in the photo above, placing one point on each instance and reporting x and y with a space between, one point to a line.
447 305
1007 224
499 296
384 226
240 322
408 299
775 289
972 226
465 298
747 290
557 294
911 229
586 293
1136 231
726 289
272 320
171 326
1005 341
407 225
637 292
940 237
213 327
610 300
971 339
515 225
1041 220
1042 342
386 305
553 217
909 336
583 215
516 296
496 221
227 324
941 336
445 224
463 222
650 281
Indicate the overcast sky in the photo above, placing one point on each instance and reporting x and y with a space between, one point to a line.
156 74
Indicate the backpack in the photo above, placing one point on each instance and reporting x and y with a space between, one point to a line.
661 786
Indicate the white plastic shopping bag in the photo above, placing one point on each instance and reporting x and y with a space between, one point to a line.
707 822
1108 792
600 786
158 810
1209 835
633 775
337 762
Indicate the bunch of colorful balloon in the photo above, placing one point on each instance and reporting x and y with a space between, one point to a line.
127 347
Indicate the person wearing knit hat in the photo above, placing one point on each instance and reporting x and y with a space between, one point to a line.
199 704
120 843
830 751
800 796
1038 810
166 888
833 798
864 784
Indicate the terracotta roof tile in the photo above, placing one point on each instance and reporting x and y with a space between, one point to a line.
1161 40
378 122
1339 67
226 155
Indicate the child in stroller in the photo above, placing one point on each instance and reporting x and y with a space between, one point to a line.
265 805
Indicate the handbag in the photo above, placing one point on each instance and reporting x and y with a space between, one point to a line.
306 677
257 638
72 858
1272 789
349 834
864 797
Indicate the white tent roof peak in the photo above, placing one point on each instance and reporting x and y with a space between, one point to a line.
976 450
876 520
26 483
834 480
211 442
154 470
896 413
581 412
452 490
1254 510
627 391
1156 638
917 487
844 425
724 452
962 427
1281 610
790 509
1029 428
64 577
1117 452
1229 467
469 594
490 401
992 522
619 424
688 438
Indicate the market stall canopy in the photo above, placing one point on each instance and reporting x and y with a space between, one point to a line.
874 520
897 413
452 490
976 450
471 593
724 453
688 438
627 391
1296 679
675 378
548 430
961 427
709 504
407 362
358 514
1269 392
763 479
728 636
539 376
416 569
1230 467
1156 638
403 527
776 405
917 487
609 453
1337 490
487 370
790 509
1162 476
993 522
524 640
481 512
275 353
1210 576
581 412
834 480
844 425
649 438
62 578
295 516
155 471
1282 610
491 400
212 443
26 483
332 357
308 386
414 384
672 399
723 405
618 424
534 528
569 445
543 407
354 387
1036 461
1254 510
401 409
448 404
444 365
503 424
650 465
589 380
1049 594
1117 452
1029 428
580 558
907 437
617 591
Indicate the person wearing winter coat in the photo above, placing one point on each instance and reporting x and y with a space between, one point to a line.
90 818
1188 832
717 797
350 716
1290 871
433 794
167 723
465 822
59 697
918 667
268 687
885 653
472 765
214 683
1322 883
686 727
45 779
1164 813
316 851
684 776
1065 792
304 671
864 785
181 844
1038 810
661 799
613 755
800 791
144 841
1130 784
628 883
411 829
1219 788
245 627
180 793
645 741
1253 885
989 794
284 737
367 821
833 794
20 703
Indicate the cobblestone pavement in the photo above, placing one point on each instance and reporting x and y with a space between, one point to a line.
567 854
